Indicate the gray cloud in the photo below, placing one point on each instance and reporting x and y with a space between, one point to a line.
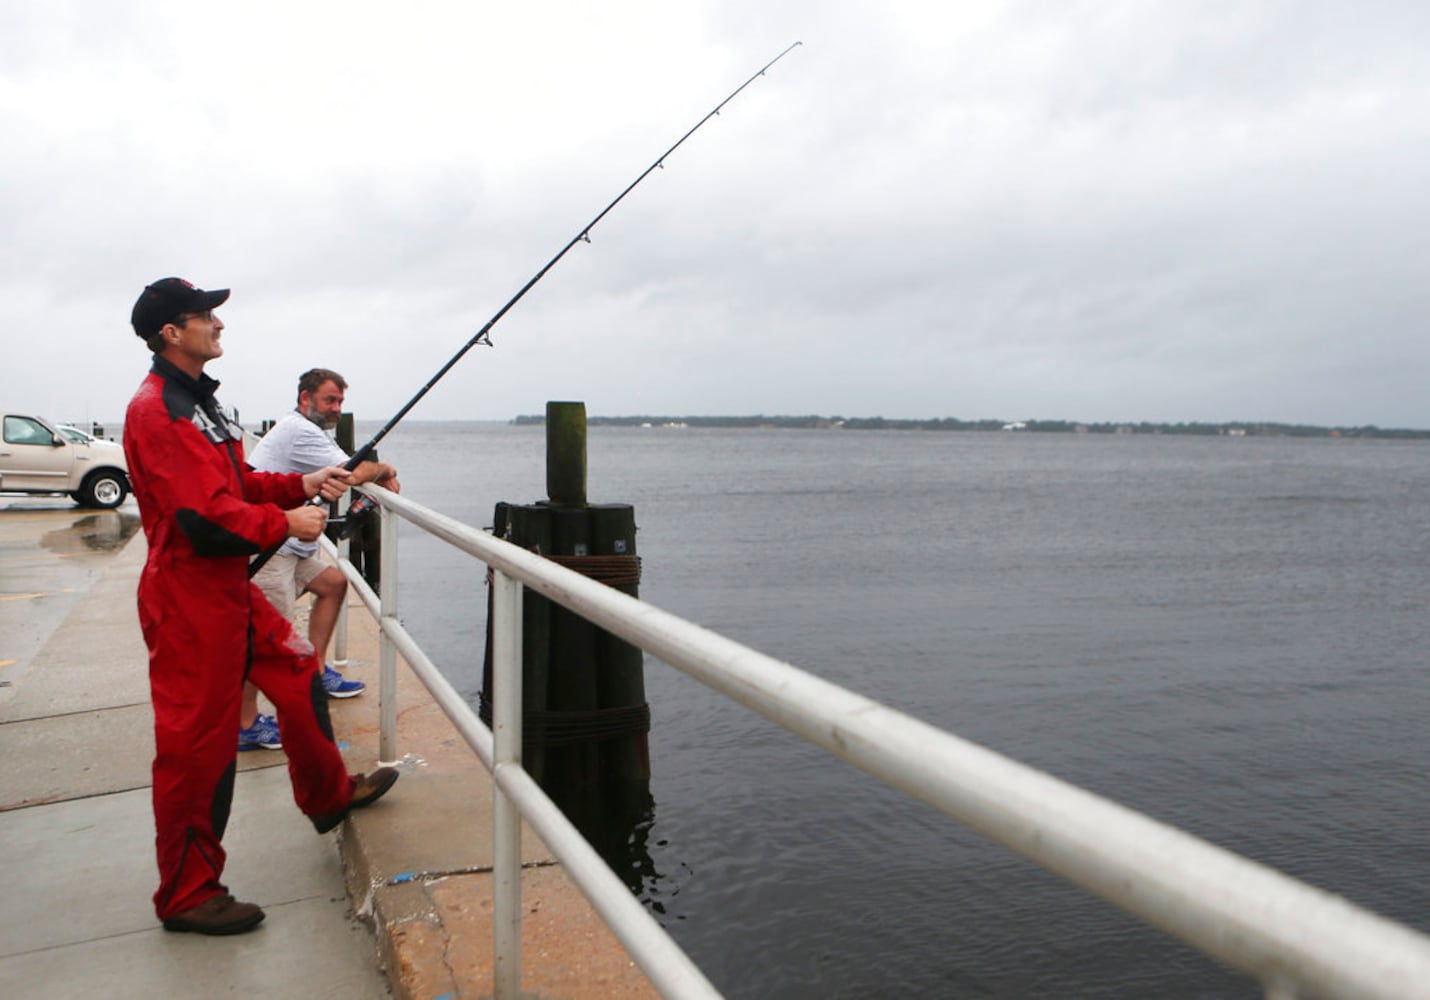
1100 211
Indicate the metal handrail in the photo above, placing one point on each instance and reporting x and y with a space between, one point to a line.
516 795
1296 940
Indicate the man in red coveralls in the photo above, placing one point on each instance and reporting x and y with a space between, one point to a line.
205 512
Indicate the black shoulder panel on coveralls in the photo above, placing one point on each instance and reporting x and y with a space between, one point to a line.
210 539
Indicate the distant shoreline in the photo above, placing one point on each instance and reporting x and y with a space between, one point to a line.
1234 428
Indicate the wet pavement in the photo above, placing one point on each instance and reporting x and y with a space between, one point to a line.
76 820
51 552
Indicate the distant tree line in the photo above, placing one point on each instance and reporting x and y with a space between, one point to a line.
1232 428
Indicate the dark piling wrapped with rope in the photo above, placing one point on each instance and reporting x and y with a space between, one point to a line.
585 720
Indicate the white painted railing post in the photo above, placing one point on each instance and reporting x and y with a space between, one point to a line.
340 630
506 753
386 651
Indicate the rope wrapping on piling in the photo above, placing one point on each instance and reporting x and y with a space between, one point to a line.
614 571
550 728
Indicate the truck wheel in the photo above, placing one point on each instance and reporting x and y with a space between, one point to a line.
104 489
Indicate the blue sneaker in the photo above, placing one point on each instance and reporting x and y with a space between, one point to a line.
337 687
262 735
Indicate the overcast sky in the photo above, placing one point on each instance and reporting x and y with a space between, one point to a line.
1094 211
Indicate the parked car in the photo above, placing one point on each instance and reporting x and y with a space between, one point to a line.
75 434
36 456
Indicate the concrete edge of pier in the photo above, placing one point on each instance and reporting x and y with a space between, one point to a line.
418 864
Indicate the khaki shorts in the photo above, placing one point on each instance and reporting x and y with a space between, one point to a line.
284 577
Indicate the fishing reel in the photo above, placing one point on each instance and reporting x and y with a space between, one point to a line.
348 524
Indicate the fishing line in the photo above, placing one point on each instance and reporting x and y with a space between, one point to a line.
482 335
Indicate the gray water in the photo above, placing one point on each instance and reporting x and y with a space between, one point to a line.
1228 634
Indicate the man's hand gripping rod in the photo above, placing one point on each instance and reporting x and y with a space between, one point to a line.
481 337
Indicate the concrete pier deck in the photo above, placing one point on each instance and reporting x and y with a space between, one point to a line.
396 902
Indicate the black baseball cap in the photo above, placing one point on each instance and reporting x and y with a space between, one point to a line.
168 298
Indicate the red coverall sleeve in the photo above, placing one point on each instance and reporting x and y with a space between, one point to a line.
197 483
281 488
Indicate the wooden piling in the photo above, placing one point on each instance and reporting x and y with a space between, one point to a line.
529 527
620 678
586 718
566 454
364 545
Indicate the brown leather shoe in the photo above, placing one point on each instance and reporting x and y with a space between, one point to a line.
221 914
369 788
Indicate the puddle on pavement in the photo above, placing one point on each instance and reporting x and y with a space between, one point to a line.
101 531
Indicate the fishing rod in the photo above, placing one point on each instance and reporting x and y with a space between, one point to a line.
482 335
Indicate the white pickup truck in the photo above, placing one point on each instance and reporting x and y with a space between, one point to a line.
36 456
